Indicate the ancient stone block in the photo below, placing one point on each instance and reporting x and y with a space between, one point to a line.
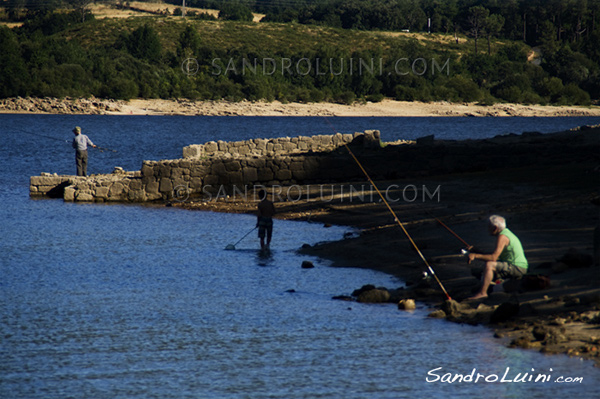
84 196
198 170
176 173
191 151
195 184
290 147
218 168
166 185
116 190
135 184
69 194
164 170
232 166
136 196
265 174
284 174
256 162
296 165
152 188
261 144
210 147
185 164
147 170
234 178
250 175
101 192
244 150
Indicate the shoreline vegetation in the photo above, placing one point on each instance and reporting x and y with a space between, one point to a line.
97 106
550 201
477 55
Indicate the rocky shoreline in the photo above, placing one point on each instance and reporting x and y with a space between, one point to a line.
550 199
98 106
50 105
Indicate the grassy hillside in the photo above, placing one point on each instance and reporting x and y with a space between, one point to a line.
56 55
269 37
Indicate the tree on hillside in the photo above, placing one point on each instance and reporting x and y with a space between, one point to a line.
477 20
81 6
143 43
492 27
189 43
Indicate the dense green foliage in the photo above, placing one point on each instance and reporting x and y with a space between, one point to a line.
55 54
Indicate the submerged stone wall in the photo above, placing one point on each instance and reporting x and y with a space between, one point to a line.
214 166
120 186
279 146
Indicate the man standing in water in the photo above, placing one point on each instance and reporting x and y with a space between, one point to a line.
508 259
80 143
264 222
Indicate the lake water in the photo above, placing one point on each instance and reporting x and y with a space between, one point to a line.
129 301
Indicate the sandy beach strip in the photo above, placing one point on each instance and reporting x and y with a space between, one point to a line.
389 108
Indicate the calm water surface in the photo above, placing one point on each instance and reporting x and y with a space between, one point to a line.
127 301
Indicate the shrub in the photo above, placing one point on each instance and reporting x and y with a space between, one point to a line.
235 12
346 97
572 94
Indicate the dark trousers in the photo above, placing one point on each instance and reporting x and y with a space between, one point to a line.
81 159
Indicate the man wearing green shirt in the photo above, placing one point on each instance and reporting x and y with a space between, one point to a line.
508 259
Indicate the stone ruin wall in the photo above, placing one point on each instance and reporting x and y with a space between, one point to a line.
212 166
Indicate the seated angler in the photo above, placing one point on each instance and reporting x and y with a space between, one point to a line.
508 259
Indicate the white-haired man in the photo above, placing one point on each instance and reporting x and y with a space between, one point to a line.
508 259
80 143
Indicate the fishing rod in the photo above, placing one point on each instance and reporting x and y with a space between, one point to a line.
396 219
101 149
450 230
230 247
41 135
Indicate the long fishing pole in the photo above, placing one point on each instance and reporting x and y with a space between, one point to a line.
396 219
450 230
41 135
101 149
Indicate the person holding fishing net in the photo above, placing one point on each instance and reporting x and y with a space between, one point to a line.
506 262
80 143
264 220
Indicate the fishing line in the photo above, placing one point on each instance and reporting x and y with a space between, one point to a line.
41 135
396 219
101 149
449 229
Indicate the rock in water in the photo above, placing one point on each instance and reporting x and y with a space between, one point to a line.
407 304
451 308
437 314
364 288
307 264
374 296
